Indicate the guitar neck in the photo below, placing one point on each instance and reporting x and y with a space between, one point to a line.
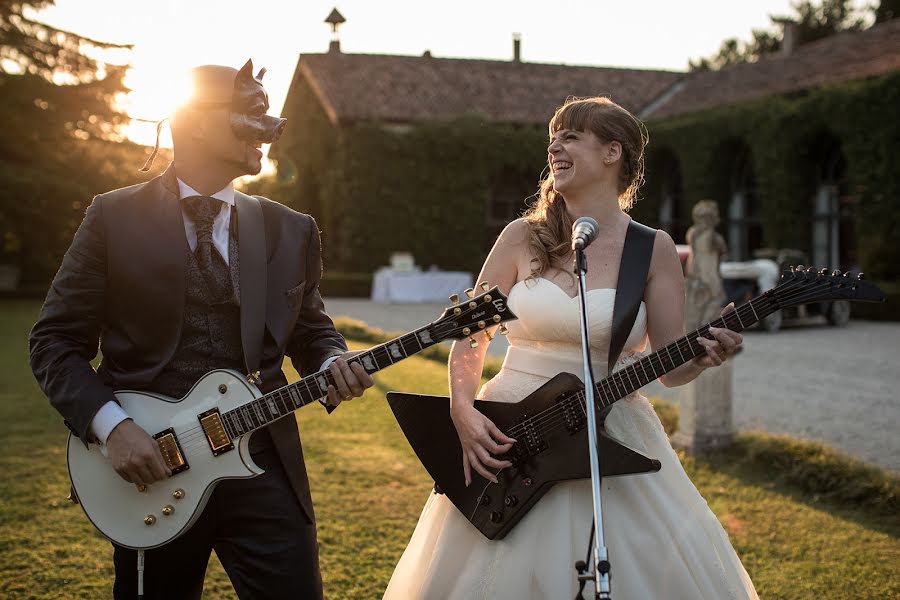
283 401
668 358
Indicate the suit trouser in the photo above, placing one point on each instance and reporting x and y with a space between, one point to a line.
259 532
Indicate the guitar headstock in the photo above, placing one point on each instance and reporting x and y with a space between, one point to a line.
473 315
802 285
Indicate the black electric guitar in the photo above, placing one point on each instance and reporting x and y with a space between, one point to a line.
550 425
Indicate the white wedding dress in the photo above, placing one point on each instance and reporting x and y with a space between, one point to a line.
662 538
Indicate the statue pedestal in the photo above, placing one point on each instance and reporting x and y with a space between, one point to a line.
704 419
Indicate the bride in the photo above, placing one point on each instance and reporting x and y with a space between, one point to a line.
662 538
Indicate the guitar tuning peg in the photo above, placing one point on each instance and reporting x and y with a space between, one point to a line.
473 343
488 335
484 286
503 329
823 271
470 292
799 268
859 277
836 273
454 298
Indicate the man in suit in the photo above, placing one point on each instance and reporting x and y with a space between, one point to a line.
173 278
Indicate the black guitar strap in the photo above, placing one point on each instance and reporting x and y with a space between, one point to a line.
630 288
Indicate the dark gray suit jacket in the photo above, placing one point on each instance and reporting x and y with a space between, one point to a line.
122 286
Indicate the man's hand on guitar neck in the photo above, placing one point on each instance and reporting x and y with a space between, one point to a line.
135 455
351 379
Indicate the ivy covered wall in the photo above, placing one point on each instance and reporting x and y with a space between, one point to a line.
785 138
377 188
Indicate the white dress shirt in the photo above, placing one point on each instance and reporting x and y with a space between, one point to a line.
111 414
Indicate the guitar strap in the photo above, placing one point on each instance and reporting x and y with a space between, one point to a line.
253 280
630 288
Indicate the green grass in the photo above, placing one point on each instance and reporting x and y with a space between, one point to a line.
806 521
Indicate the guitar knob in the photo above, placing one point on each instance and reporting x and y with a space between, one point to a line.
168 509
496 516
149 520
510 501
178 494
454 298
526 481
484 500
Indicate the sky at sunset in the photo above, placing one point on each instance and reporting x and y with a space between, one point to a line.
171 36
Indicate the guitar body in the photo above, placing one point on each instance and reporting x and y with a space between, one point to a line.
136 519
540 458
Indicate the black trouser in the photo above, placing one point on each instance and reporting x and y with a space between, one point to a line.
260 534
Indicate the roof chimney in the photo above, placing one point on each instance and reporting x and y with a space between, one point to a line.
789 41
334 19
517 47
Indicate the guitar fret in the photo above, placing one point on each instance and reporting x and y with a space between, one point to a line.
259 413
753 309
680 355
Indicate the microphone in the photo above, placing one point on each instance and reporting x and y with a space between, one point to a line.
584 231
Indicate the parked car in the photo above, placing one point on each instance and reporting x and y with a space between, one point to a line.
745 280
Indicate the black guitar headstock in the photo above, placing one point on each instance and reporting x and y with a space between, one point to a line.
474 315
801 285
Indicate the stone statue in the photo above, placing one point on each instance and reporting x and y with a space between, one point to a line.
705 295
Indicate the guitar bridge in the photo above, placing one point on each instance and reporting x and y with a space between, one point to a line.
214 430
171 451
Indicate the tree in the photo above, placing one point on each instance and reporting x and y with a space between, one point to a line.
813 22
60 124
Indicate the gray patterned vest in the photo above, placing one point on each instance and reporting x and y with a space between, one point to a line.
210 333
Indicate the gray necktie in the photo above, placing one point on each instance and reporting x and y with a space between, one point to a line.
203 210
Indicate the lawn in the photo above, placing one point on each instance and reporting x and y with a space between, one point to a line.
801 530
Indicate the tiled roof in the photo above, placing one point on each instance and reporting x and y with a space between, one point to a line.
841 57
355 87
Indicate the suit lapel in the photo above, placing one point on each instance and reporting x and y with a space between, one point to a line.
172 253
252 277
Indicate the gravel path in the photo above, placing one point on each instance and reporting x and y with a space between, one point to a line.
837 385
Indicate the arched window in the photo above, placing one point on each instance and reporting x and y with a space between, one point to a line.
833 240
744 224
671 197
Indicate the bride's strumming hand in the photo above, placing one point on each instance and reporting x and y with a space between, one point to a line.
480 439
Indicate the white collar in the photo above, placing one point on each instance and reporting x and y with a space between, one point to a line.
226 194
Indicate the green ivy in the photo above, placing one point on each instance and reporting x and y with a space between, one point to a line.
376 189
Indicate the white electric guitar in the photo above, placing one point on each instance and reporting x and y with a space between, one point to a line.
204 436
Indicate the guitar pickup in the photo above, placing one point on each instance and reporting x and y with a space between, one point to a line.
171 451
530 440
572 413
214 430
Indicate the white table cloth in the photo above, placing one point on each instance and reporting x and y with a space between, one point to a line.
393 286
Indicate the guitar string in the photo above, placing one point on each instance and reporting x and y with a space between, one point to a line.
552 417
740 311
542 417
536 419
193 434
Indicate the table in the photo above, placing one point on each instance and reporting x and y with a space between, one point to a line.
392 286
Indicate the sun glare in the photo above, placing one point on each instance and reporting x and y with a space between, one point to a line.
155 94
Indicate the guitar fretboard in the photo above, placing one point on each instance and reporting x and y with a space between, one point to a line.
285 400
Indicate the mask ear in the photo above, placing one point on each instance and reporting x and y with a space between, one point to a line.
246 71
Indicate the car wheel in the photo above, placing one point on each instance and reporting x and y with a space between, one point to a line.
772 323
838 313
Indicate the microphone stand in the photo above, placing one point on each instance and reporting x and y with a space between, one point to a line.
598 572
